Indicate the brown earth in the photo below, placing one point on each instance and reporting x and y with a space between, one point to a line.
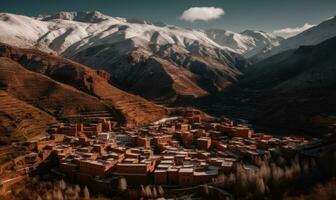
20 121
61 87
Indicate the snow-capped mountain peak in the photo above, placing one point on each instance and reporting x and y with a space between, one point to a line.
74 31
313 36
80 16
68 32
261 35
247 42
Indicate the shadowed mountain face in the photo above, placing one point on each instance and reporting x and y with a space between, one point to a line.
294 89
61 87
291 91
168 72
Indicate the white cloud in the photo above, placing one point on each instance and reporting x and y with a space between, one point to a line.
289 32
202 14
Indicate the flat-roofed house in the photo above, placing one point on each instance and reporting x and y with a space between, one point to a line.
185 176
204 143
160 177
97 167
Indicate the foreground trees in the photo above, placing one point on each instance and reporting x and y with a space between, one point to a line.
58 190
277 176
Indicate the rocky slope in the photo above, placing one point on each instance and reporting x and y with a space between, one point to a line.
132 51
61 87
170 73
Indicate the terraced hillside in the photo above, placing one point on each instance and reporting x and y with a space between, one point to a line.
133 109
44 93
21 121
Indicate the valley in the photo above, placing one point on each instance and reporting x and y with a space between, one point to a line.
100 107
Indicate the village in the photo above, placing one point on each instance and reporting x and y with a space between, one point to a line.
189 148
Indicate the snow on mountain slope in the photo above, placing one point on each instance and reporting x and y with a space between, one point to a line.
312 36
247 43
21 30
131 50
85 29
75 31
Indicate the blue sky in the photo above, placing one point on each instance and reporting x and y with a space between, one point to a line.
267 15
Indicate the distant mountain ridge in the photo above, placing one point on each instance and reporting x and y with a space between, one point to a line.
293 89
81 16
248 42
313 36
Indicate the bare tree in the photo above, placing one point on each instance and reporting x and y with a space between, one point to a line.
62 184
122 184
143 191
206 190
48 196
260 185
86 193
148 192
154 192
161 191
57 195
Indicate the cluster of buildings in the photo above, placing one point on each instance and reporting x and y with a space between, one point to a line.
187 149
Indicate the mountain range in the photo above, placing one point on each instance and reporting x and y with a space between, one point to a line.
313 36
290 91
114 64
296 88
248 43
185 62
